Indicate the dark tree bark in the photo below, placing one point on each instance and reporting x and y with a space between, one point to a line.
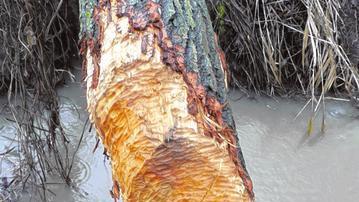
156 91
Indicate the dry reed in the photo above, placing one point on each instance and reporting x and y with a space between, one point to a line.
36 45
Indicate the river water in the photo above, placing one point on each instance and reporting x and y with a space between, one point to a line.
284 162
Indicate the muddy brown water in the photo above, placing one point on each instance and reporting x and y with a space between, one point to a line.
285 164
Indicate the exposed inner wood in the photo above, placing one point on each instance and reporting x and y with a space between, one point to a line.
160 149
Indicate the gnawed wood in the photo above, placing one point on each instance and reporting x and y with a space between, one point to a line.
157 95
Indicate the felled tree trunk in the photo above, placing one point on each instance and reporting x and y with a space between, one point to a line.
156 92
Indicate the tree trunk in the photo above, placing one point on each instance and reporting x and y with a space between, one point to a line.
156 92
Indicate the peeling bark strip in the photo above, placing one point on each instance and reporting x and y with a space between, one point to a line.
157 94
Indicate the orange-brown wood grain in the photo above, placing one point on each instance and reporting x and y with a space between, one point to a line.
159 148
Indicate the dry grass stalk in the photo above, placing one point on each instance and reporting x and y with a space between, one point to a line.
36 43
278 47
286 47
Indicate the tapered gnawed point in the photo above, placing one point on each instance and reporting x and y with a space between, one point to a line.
167 129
